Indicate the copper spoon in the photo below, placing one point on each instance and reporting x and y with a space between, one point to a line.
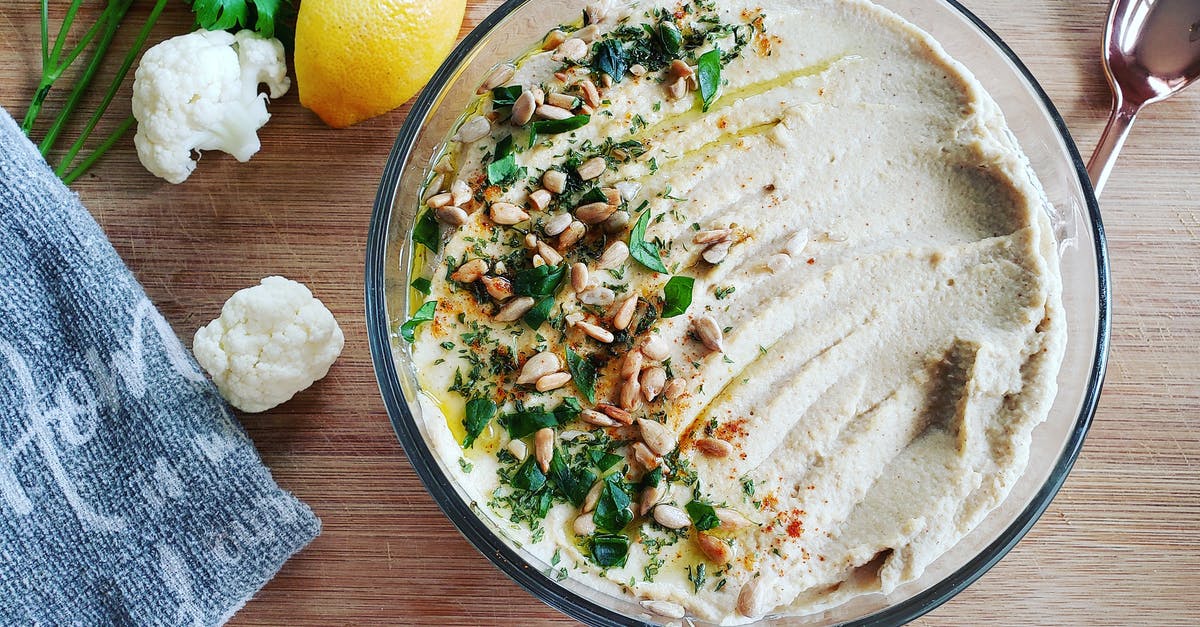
1152 52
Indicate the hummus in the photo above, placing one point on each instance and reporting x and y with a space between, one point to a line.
735 309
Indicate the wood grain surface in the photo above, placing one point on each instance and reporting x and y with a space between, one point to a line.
1120 544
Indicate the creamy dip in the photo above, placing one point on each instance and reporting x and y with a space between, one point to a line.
748 360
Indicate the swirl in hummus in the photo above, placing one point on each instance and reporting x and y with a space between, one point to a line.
735 309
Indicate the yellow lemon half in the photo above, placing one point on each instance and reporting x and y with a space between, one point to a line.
356 59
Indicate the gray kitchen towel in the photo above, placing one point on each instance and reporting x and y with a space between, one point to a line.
129 494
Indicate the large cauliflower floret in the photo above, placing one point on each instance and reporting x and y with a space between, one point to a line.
271 341
200 92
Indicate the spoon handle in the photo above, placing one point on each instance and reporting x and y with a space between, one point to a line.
1105 156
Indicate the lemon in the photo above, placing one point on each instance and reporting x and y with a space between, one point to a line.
356 59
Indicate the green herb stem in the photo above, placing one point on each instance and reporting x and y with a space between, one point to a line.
95 155
113 87
51 69
115 12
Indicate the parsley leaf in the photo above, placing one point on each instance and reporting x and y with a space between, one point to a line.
574 484
261 15
539 282
583 373
670 38
609 550
612 510
678 296
708 68
479 413
505 96
538 313
503 168
427 232
528 476
645 252
424 314
703 516
422 285
554 127
525 422
609 57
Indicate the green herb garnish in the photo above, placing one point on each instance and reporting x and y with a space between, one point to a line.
723 292
703 516
708 69
424 314
528 476
427 232
573 483
539 312
422 285
479 413
612 510
583 373
643 251
609 57
677 295
539 282
609 550
669 38
554 127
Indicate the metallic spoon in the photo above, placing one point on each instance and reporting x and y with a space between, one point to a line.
1152 51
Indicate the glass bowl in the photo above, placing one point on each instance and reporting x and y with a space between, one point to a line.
511 30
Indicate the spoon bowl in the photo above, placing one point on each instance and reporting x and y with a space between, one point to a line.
1151 52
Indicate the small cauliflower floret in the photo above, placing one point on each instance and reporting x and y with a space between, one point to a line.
271 341
200 92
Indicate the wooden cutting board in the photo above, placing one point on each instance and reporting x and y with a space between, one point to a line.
1120 544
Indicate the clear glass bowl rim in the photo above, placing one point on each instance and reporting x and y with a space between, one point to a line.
542 586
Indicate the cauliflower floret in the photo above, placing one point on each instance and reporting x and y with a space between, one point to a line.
200 92
271 341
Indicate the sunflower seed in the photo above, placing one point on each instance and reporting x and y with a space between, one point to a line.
709 333
628 190
649 498
514 309
538 261
553 39
498 77
616 223
460 193
796 244
631 394
563 101
575 232
594 212
624 314
615 255
652 379
539 366
439 200
593 497
473 130
572 49
551 112
657 436
643 456
671 517
616 413
543 447
584 525
557 224
714 549
593 417
675 388
712 236
549 254
435 187
554 180
540 199
664 608
452 216
507 213
632 365
680 69
591 168
518 449
656 348
522 109
591 95
497 287
678 88
600 334
611 195
731 519
637 69
579 277
714 447
470 271
552 381
599 296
